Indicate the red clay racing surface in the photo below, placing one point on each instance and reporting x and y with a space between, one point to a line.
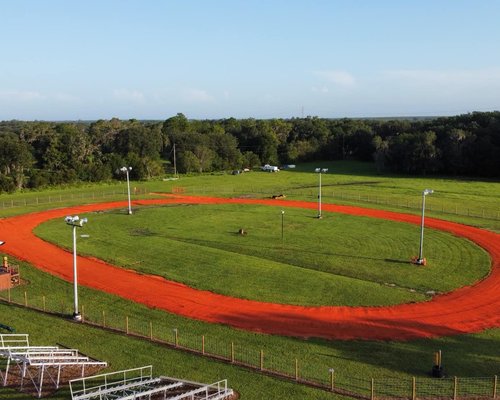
468 309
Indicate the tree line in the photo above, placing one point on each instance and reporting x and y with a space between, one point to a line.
38 154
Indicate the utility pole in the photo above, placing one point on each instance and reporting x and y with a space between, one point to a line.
175 164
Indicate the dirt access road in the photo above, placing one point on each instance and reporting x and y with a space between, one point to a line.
468 309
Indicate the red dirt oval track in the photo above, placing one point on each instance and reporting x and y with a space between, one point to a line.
468 309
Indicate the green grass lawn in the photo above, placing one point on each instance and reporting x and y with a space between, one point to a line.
339 260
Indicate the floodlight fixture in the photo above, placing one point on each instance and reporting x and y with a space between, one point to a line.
420 259
320 171
127 170
75 222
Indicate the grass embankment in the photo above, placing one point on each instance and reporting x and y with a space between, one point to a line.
123 352
339 260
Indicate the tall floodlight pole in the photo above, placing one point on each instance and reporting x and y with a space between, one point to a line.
75 222
126 170
320 171
420 259
282 227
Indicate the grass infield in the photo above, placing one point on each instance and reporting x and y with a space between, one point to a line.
339 260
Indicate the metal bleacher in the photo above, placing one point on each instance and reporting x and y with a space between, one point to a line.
39 365
41 369
139 384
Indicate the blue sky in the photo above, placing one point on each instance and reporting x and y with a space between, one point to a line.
151 59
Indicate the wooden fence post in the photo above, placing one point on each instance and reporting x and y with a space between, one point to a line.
455 387
332 378
43 302
262 360
203 344
103 318
176 337
232 352
8 294
296 369
25 299
372 389
150 330
126 324
495 380
413 388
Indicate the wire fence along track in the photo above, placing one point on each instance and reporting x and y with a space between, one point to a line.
309 373
401 202
404 202
71 197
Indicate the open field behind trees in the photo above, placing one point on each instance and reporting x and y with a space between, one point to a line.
464 355
340 260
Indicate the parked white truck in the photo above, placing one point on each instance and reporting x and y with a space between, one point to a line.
270 168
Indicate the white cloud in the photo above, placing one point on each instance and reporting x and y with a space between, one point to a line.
489 76
197 96
338 77
129 95
322 89
20 95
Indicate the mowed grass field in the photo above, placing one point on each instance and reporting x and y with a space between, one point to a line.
338 260
463 355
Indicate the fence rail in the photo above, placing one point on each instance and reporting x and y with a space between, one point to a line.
70 197
413 203
287 367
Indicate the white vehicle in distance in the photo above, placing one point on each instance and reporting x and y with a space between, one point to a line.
270 168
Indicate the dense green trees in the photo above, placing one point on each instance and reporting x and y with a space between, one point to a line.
34 154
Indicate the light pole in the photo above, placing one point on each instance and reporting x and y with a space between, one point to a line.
421 260
75 222
127 170
320 171
282 227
